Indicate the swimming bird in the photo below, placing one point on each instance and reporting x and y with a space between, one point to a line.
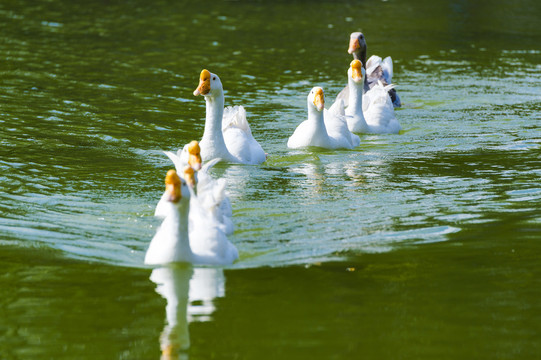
372 112
189 155
354 112
211 192
376 69
227 134
325 129
185 238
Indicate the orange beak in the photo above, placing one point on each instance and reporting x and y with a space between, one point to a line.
319 99
172 186
194 159
204 83
189 176
356 70
353 45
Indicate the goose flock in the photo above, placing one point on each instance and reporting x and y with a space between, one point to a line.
195 208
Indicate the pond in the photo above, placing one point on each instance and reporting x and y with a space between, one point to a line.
423 245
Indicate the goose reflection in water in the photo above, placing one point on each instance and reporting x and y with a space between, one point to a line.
189 293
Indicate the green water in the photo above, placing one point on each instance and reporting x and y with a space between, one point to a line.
423 245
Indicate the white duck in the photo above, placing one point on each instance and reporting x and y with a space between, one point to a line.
370 113
210 193
227 133
325 129
201 241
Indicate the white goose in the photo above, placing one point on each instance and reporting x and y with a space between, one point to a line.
211 193
371 113
227 133
325 129
181 238
354 112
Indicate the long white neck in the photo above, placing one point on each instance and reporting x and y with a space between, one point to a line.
319 137
213 144
354 111
355 106
177 223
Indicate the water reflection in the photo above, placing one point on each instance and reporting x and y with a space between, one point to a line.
189 293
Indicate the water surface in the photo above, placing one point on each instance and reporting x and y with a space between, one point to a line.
418 245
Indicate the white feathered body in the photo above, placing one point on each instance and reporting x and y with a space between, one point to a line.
238 137
379 114
371 112
190 234
171 243
325 129
227 134
208 239
212 193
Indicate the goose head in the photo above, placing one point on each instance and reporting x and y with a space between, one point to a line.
209 84
316 99
176 188
357 46
189 176
194 155
356 72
